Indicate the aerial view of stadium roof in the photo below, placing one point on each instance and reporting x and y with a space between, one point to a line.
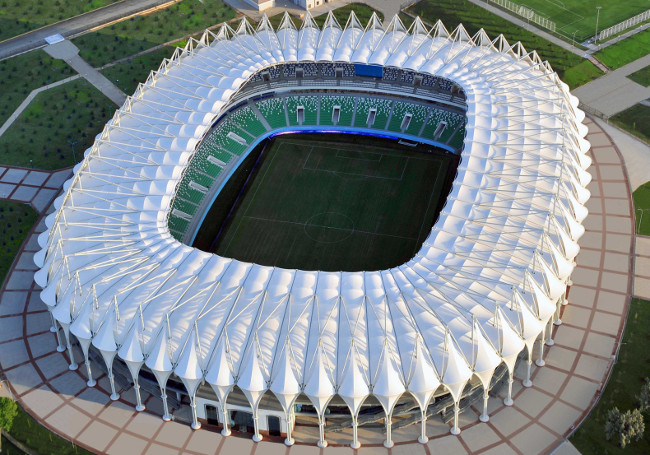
119 273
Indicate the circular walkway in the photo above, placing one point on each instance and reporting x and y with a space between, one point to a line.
542 416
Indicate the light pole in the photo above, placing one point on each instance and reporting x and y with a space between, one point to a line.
598 8
574 37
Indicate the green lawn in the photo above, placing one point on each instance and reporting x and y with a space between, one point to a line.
20 16
143 32
128 74
75 111
636 120
571 68
641 198
632 367
16 220
341 14
625 51
641 77
579 16
21 74
329 203
38 438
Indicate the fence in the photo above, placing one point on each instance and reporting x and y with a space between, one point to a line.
526 13
614 29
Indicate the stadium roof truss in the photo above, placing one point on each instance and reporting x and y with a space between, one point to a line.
485 285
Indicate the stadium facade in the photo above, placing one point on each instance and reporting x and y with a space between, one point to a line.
483 291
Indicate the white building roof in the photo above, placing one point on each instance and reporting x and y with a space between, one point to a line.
484 283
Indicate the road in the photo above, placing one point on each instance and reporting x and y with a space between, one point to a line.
75 25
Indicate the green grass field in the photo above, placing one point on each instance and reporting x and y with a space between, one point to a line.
329 203
641 77
128 74
58 119
636 120
572 69
579 16
18 16
632 366
16 220
641 198
625 51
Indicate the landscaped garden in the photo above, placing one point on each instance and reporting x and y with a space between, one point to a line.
641 77
625 51
16 220
636 120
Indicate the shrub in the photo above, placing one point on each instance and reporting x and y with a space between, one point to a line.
625 427
643 398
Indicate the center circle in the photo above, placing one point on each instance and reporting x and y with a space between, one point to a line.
329 227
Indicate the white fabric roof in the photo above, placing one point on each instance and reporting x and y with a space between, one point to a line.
483 285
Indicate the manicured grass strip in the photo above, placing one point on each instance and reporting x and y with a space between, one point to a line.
57 121
625 51
632 367
128 74
143 32
641 77
38 438
636 120
16 220
473 18
21 74
641 198
20 16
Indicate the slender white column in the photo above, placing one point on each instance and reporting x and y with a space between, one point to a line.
139 406
549 334
195 421
257 437
540 357
322 443
289 441
91 382
114 395
423 438
73 365
355 440
166 416
225 431
60 347
455 430
508 401
388 443
529 362
486 395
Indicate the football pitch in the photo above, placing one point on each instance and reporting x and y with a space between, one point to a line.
578 17
333 202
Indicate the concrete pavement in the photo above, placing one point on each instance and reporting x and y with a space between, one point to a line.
614 92
78 24
34 187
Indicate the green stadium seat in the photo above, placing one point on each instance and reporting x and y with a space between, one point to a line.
364 105
273 111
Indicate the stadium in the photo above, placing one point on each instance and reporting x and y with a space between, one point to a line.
302 231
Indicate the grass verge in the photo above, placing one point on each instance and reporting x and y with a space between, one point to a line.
21 74
641 77
572 69
16 219
632 366
341 14
144 32
128 74
625 51
641 197
636 120
18 16
56 122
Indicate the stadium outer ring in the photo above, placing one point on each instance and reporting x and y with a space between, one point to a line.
487 282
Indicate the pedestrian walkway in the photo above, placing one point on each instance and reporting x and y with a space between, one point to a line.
543 415
34 187
69 53
642 266
614 92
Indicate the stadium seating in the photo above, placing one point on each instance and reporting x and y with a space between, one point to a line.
310 69
390 73
383 107
248 121
327 103
273 111
418 116
327 69
310 104
289 70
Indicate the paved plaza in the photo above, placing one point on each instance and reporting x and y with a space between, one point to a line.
543 415
34 187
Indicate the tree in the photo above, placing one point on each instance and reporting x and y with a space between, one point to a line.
8 411
626 427
643 398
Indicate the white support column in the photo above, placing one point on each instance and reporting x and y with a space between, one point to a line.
136 385
540 357
195 421
289 441
556 315
73 365
166 416
529 363
114 395
91 382
60 347
53 326
355 437
257 437
486 395
455 430
508 400
423 438
388 443
322 443
225 431
549 334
